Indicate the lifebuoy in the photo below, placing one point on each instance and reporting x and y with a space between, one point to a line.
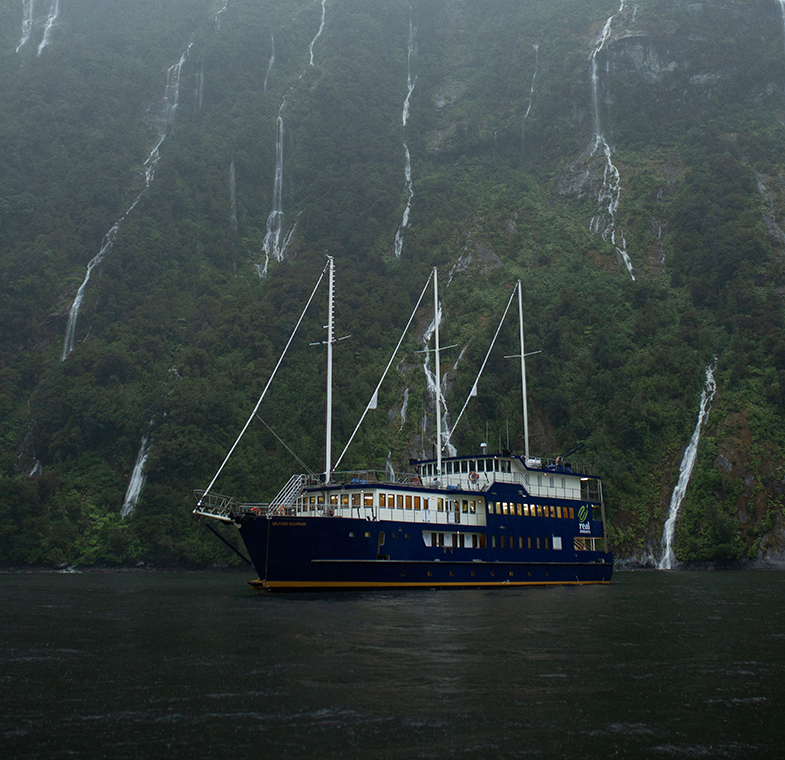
416 481
474 477
256 511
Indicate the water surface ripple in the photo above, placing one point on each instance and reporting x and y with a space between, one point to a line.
196 665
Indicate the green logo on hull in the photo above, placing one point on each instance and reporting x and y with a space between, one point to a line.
583 513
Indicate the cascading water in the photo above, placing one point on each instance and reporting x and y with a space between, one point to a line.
233 194
319 33
220 14
27 23
782 10
270 64
410 83
430 379
531 90
604 223
163 121
668 558
137 479
54 12
272 239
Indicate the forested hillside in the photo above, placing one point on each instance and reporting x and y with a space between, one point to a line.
174 173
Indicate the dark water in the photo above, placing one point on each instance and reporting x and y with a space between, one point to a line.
197 665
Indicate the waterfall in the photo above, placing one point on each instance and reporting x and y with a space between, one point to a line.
272 239
531 90
668 558
404 407
233 194
430 380
199 90
163 121
410 83
604 223
27 22
782 10
270 64
318 34
137 479
220 14
54 12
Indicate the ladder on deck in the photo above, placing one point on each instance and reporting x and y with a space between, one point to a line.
287 496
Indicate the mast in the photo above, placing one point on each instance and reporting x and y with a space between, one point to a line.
523 375
329 417
438 373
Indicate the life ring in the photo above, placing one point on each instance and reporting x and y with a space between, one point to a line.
416 481
256 511
474 477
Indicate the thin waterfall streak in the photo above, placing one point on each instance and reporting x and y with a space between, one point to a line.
163 122
220 14
782 11
270 64
410 85
668 559
27 22
54 12
318 34
604 223
534 77
136 483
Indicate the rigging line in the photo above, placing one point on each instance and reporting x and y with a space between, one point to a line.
266 387
283 443
236 551
485 361
375 395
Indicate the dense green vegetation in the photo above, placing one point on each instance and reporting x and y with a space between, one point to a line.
178 334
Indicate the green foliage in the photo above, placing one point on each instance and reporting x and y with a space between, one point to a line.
177 334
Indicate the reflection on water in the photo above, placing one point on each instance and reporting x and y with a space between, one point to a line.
197 665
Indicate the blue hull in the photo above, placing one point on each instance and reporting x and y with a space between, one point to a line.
309 553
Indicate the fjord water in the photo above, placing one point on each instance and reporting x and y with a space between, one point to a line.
144 665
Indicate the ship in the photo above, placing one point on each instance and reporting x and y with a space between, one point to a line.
483 520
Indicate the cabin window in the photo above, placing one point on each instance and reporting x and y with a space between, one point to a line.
547 541
539 510
416 502
334 499
558 512
425 502
406 535
489 465
472 466
563 485
351 534
483 539
400 501
408 501
529 542
355 499
461 540
465 506
382 499
504 507
493 542
439 504
464 465
557 543
367 535
520 542
572 513
553 511
472 506
490 507
449 468
474 540
502 539
480 465
498 507
539 543
525 510
430 573
320 499
368 499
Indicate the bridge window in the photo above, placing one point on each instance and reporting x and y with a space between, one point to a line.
355 499
400 501
333 499
504 507
425 502
416 502
368 499
480 466
408 501
472 506
464 465
382 499
439 504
